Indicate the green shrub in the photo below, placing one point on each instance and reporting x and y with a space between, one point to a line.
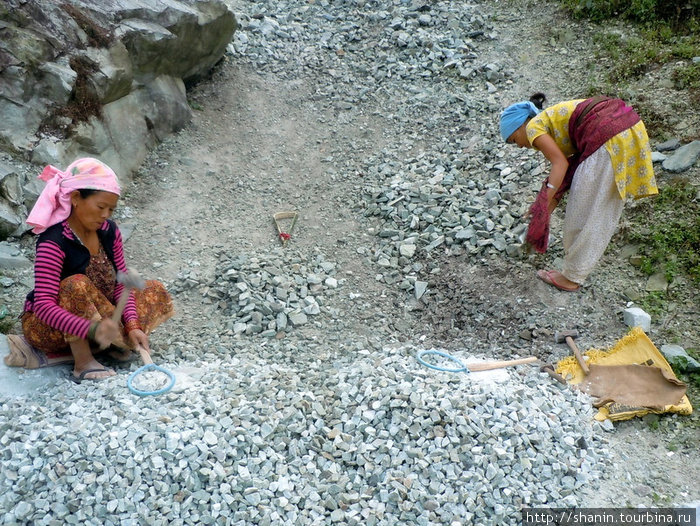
675 12
7 321
687 77
671 240
655 303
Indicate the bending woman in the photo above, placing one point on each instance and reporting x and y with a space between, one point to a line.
599 150
78 254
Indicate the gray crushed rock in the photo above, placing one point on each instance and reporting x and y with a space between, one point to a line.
373 438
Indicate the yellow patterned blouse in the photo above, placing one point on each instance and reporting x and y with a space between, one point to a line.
629 150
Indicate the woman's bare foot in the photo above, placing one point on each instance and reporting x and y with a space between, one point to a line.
86 367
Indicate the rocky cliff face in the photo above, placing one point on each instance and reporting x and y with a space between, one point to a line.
97 78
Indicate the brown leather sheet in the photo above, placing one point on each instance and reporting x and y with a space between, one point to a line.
632 385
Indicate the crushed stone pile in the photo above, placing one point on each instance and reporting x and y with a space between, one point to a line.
376 439
268 294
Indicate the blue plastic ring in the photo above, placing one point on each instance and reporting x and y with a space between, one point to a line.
462 368
150 367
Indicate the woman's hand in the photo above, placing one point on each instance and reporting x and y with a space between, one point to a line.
107 332
139 338
551 202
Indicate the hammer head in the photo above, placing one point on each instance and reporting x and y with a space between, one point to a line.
560 336
131 280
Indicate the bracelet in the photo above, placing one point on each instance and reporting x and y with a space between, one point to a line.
92 330
132 325
550 185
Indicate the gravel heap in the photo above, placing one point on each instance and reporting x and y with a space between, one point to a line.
372 439
267 294
408 56
424 208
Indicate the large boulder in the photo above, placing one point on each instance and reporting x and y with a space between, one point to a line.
104 78
163 38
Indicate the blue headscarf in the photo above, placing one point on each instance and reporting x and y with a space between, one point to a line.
515 115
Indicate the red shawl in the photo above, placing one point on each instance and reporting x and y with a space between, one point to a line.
591 125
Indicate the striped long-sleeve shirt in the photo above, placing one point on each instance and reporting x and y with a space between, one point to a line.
59 255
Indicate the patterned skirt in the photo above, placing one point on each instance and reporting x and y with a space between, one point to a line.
78 295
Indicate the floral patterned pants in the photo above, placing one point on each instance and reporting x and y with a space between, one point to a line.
78 295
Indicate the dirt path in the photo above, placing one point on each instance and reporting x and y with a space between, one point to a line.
256 147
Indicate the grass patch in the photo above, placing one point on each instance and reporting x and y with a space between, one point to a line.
668 232
656 34
654 303
656 122
680 366
7 322
660 499
631 56
622 60
692 379
676 14
688 78
666 229
6 325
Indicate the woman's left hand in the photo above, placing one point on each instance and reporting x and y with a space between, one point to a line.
139 338
551 201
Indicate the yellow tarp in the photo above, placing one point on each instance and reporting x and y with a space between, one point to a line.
634 348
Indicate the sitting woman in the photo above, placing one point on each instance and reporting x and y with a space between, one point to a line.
78 254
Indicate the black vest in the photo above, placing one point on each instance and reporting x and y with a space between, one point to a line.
77 256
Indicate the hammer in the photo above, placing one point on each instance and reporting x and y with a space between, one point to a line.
131 280
568 336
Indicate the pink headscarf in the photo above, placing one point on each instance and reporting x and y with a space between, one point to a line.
54 205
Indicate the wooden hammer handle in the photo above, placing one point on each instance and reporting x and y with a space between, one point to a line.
119 309
487 366
578 355
145 355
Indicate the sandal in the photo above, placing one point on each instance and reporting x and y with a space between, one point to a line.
79 379
548 277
